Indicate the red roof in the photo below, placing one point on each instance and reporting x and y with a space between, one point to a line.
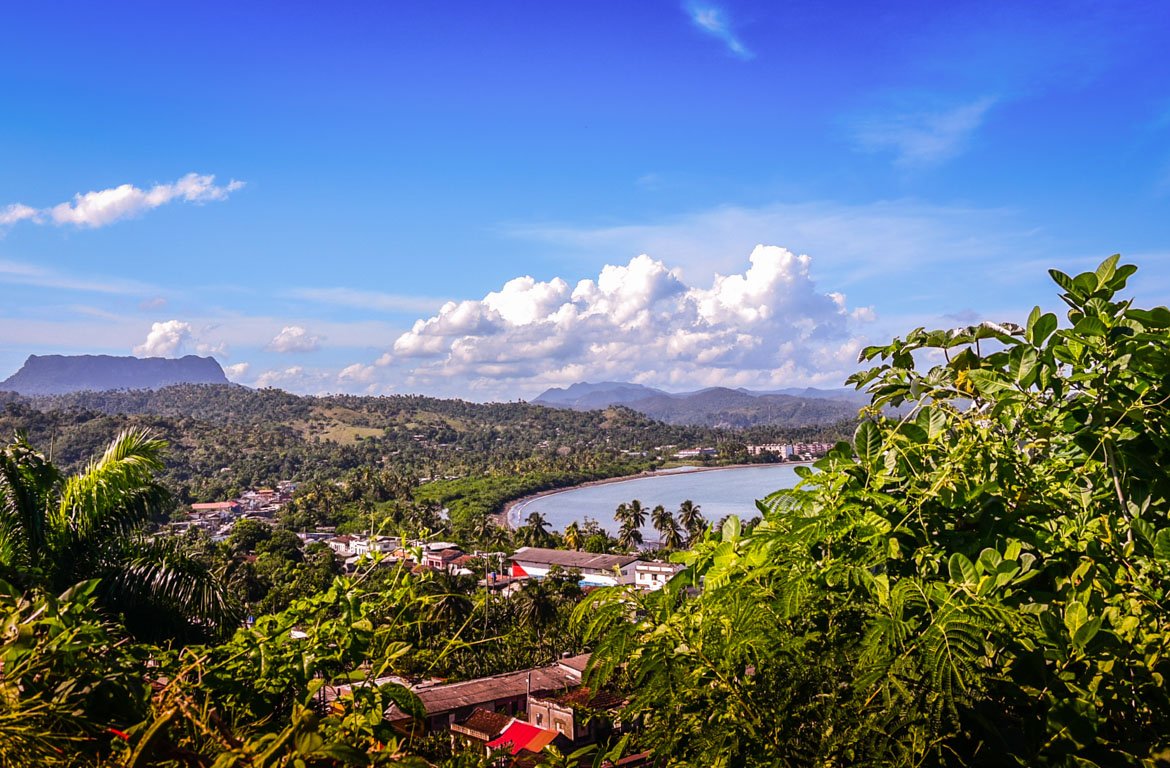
215 505
520 735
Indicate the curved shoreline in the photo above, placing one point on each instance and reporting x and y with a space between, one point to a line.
510 516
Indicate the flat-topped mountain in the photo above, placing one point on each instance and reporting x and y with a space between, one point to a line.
59 374
714 406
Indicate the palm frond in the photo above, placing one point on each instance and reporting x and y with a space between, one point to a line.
161 590
117 492
26 482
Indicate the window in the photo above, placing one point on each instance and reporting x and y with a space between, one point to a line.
560 727
539 719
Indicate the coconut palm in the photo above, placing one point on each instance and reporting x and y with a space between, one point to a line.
668 530
637 514
691 520
534 532
573 536
629 537
56 531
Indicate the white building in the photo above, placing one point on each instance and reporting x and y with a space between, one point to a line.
653 574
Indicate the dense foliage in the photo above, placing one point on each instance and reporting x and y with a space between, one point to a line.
981 581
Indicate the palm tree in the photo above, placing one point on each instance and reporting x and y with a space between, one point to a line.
692 520
668 530
534 532
573 536
629 537
57 531
637 514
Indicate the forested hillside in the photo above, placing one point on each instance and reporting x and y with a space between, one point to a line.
226 438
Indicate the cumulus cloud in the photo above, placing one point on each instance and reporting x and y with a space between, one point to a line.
713 20
105 206
767 326
238 371
294 338
165 339
291 378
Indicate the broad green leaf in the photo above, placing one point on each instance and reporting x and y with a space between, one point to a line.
731 528
1107 268
1022 365
867 442
1075 615
1162 544
1086 283
1043 327
933 420
962 570
1086 632
989 383
1090 326
1063 280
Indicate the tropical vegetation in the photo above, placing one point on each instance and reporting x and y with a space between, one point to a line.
980 580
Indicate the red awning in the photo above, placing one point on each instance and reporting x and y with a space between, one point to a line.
520 735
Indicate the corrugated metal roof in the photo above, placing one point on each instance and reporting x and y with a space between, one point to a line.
449 697
571 559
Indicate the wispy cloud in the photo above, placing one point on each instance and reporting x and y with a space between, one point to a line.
383 302
714 21
105 206
923 138
20 273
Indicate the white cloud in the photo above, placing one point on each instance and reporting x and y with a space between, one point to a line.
287 378
238 371
923 138
713 20
294 338
101 207
768 326
358 373
165 339
17 212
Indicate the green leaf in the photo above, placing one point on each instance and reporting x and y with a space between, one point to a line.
1086 632
1090 326
933 420
962 570
731 528
1075 615
1042 327
1162 544
1063 280
989 383
1107 268
867 442
1022 365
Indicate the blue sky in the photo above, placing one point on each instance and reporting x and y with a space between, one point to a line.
456 198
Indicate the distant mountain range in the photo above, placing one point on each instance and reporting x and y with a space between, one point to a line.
715 406
60 374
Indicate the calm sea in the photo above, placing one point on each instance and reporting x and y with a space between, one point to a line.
717 492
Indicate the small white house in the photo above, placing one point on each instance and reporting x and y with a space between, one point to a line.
653 574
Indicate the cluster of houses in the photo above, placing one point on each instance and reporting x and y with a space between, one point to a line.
217 518
503 573
520 712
